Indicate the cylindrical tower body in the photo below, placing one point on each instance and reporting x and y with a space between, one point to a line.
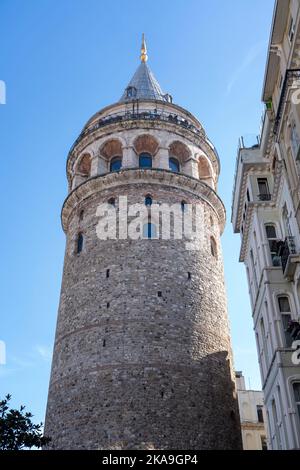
142 356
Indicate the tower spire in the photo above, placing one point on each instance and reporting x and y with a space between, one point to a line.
144 56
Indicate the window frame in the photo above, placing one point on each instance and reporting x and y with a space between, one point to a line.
265 181
286 317
276 262
260 414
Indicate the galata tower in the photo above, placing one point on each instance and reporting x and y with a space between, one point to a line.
142 356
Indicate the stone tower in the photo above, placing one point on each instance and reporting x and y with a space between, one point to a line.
142 356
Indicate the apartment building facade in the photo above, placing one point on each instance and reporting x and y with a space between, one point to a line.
266 213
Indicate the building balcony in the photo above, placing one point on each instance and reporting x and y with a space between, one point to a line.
289 256
294 329
141 114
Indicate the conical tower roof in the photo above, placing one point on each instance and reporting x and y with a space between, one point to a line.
143 84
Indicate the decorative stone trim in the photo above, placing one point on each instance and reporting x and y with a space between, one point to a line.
136 176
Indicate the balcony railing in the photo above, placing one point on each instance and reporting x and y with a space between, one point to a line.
285 249
264 197
147 115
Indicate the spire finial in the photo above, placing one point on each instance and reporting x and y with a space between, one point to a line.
144 56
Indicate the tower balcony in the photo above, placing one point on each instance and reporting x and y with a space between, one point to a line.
140 114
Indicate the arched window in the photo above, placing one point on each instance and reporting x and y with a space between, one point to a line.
145 160
183 206
213 247
116 164
149 230
174 165
148 200
285 310
79 243
84 165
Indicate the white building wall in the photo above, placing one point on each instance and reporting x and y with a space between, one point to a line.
277 160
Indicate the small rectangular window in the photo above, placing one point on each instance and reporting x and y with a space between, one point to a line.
263 187
284 304
286 320
260 416
271 232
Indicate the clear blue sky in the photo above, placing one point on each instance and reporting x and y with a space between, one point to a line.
64 60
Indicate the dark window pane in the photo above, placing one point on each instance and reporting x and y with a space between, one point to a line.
264 443
148 200
79 243
271 231
260 415
116 164
174 164
284 304
286 319
131 92
296 387
112 201
263 185
145 160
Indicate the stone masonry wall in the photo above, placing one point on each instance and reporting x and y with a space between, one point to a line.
142 356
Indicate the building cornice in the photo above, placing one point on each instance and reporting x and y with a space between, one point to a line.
132 176
112 129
